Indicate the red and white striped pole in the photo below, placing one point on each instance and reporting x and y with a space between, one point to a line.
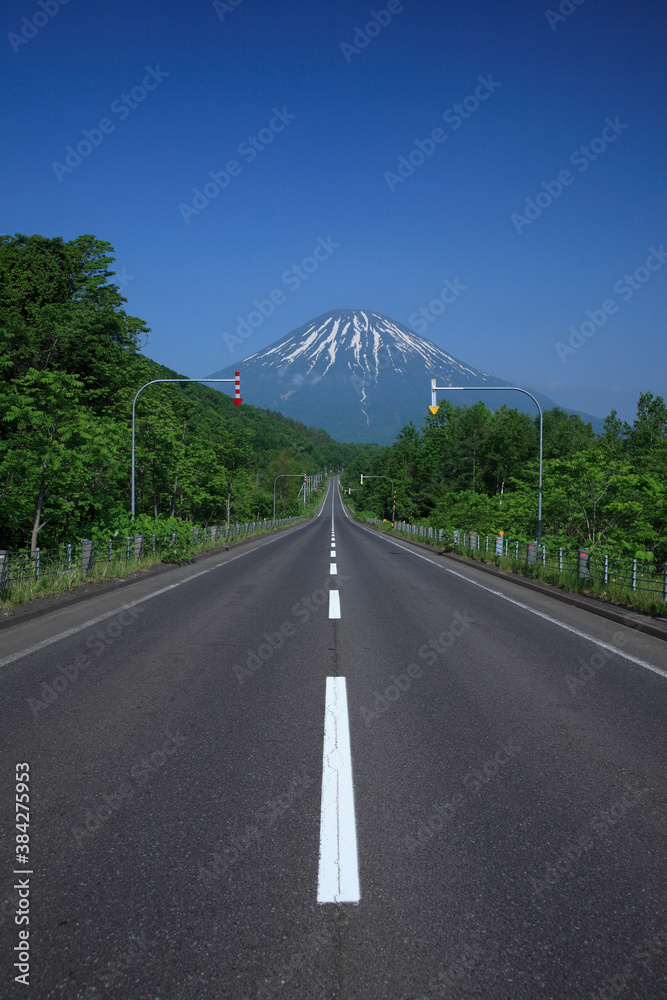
237 389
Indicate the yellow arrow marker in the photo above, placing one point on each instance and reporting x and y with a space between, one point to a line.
434 409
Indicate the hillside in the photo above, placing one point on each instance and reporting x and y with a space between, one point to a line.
71 365
362 377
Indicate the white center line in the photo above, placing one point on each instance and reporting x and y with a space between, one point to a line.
334 604
338 877
333 553
332 569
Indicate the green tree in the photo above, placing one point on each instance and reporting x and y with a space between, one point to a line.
52 450
565 434
649 431
474 428
513 441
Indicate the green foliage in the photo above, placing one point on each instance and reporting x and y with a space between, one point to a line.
70 365
470 469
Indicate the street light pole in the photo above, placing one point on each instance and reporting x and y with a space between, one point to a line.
286 475
503 388
393 493
237 402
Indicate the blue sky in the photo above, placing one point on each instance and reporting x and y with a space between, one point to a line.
171 92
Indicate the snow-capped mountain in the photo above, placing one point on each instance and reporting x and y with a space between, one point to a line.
360 376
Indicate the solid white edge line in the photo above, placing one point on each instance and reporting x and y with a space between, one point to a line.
519 604
334 604
319 513
332 569
132 604
338 872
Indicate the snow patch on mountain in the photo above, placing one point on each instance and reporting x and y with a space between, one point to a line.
360 376
367 341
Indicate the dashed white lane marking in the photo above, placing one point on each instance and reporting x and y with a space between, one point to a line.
338 877
334 604
332 569
333 553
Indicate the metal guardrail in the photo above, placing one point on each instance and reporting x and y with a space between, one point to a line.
18 566
610 570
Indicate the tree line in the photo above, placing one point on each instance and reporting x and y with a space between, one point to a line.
473 469
71 362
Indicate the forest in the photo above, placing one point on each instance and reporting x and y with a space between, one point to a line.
472 469
71 362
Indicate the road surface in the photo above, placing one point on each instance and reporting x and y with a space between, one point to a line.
328 764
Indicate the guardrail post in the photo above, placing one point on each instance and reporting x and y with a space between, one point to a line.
560 560
634 574
36 564
153 543
138 546
69 556
87 555
664 582
4 569
516 551
544 555
606 569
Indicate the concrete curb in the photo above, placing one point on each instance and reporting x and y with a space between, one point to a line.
40 606
632 619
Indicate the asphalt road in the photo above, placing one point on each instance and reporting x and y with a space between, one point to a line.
503 828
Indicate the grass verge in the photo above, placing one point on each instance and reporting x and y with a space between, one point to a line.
634 600
64 582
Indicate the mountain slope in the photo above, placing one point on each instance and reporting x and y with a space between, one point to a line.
360 376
